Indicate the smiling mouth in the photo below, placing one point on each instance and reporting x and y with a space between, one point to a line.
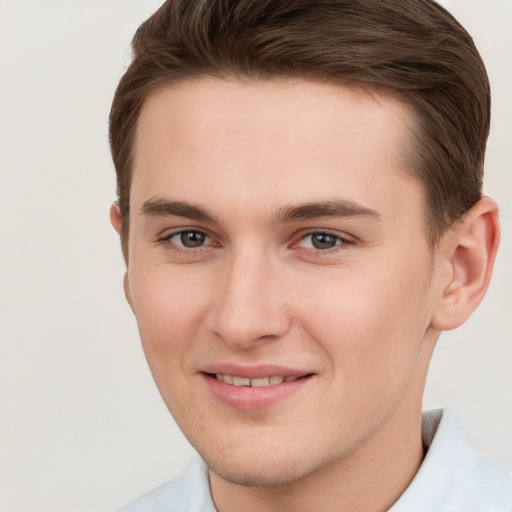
254 388
261 382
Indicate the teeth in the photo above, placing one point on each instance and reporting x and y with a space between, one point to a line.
255 383
259 383
241 381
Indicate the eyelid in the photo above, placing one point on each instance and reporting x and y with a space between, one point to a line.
170 232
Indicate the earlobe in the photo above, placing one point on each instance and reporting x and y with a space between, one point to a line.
127 291
471 250
115 217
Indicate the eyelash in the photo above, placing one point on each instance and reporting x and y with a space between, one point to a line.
340 242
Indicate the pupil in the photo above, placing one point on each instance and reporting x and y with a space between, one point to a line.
192 238
323 241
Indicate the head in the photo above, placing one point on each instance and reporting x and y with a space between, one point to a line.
300 198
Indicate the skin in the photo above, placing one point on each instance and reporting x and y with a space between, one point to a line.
361 316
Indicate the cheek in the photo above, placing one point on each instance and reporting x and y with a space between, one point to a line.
168 306
369 323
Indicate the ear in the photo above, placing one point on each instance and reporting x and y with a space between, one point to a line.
470 249
115 217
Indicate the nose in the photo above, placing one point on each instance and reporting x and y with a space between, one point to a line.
249 305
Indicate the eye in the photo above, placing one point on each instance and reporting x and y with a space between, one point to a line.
322 240
189 238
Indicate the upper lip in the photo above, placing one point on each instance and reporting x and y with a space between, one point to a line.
253 372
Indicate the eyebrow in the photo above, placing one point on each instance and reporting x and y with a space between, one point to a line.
157 207
314 210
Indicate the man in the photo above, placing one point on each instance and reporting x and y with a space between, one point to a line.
301 214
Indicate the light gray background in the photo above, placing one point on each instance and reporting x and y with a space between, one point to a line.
82 426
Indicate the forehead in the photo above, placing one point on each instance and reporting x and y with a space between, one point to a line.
281 140
265 110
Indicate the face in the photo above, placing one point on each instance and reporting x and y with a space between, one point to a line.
279 272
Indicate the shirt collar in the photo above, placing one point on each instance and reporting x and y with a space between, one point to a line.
454 476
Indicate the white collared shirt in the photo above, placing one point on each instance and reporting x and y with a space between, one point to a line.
454 477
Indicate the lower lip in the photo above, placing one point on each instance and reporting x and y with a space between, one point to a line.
250 398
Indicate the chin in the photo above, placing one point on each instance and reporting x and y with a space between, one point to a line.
259 476
264 470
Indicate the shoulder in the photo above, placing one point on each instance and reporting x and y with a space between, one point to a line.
454 476
190 491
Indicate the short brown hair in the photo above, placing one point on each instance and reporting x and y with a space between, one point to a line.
414 49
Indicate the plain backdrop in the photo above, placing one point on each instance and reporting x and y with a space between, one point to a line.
82 426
